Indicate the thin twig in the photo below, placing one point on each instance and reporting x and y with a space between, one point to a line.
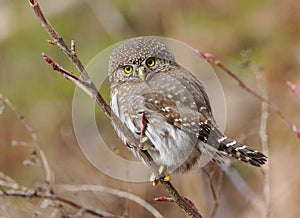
179 200
29 193
264 140
219 183
116 192
212 59
8 182
91 89
49 178
241 185
17 190
168 199
210 180
293 88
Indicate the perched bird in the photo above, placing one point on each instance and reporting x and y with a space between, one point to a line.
167 109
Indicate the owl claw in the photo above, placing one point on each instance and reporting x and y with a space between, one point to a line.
145 147
167 177
143 139
153 179
162 174
161 169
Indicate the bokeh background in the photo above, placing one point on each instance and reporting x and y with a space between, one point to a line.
245 35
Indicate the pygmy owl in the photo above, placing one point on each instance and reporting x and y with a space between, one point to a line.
167 109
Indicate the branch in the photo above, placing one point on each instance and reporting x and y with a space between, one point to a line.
88 86
8 182
264 142
293 88
29 193
210 174
49 178
240 184
212 59
116 192
17 190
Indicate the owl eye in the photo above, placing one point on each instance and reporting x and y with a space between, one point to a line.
127 69
150 62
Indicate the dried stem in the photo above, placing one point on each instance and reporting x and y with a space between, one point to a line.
116 192
49 178
8 182
294 88
241 185
10 188
264 141
29 193
214 190
212 59
88 86
180 201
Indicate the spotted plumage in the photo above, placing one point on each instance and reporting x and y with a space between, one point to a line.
156 97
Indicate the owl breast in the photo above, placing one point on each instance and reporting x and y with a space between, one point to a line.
163 99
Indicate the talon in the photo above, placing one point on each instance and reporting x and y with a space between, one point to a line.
144 139
167 178
145 147
161 174
161 169
154 183
152 177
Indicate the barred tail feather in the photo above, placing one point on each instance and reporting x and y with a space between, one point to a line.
241 152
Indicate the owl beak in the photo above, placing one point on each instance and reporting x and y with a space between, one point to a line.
141 72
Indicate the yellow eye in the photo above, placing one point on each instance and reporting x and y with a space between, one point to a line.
150 62
127 69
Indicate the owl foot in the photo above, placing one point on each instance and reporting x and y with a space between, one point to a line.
161 174
143 146
143 139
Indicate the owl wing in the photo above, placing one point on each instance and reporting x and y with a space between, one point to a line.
196 118
189 121
186 106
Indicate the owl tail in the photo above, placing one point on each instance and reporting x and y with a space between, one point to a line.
241 152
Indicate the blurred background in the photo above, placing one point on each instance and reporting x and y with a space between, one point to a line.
245 35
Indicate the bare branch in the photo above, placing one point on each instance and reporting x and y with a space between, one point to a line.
179 200
29 194
48 173
212 59
264 140
17 190
95 95
241 185
163 199
6 181
99 188
293 88
210 174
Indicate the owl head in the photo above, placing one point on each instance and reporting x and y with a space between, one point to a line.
135 59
